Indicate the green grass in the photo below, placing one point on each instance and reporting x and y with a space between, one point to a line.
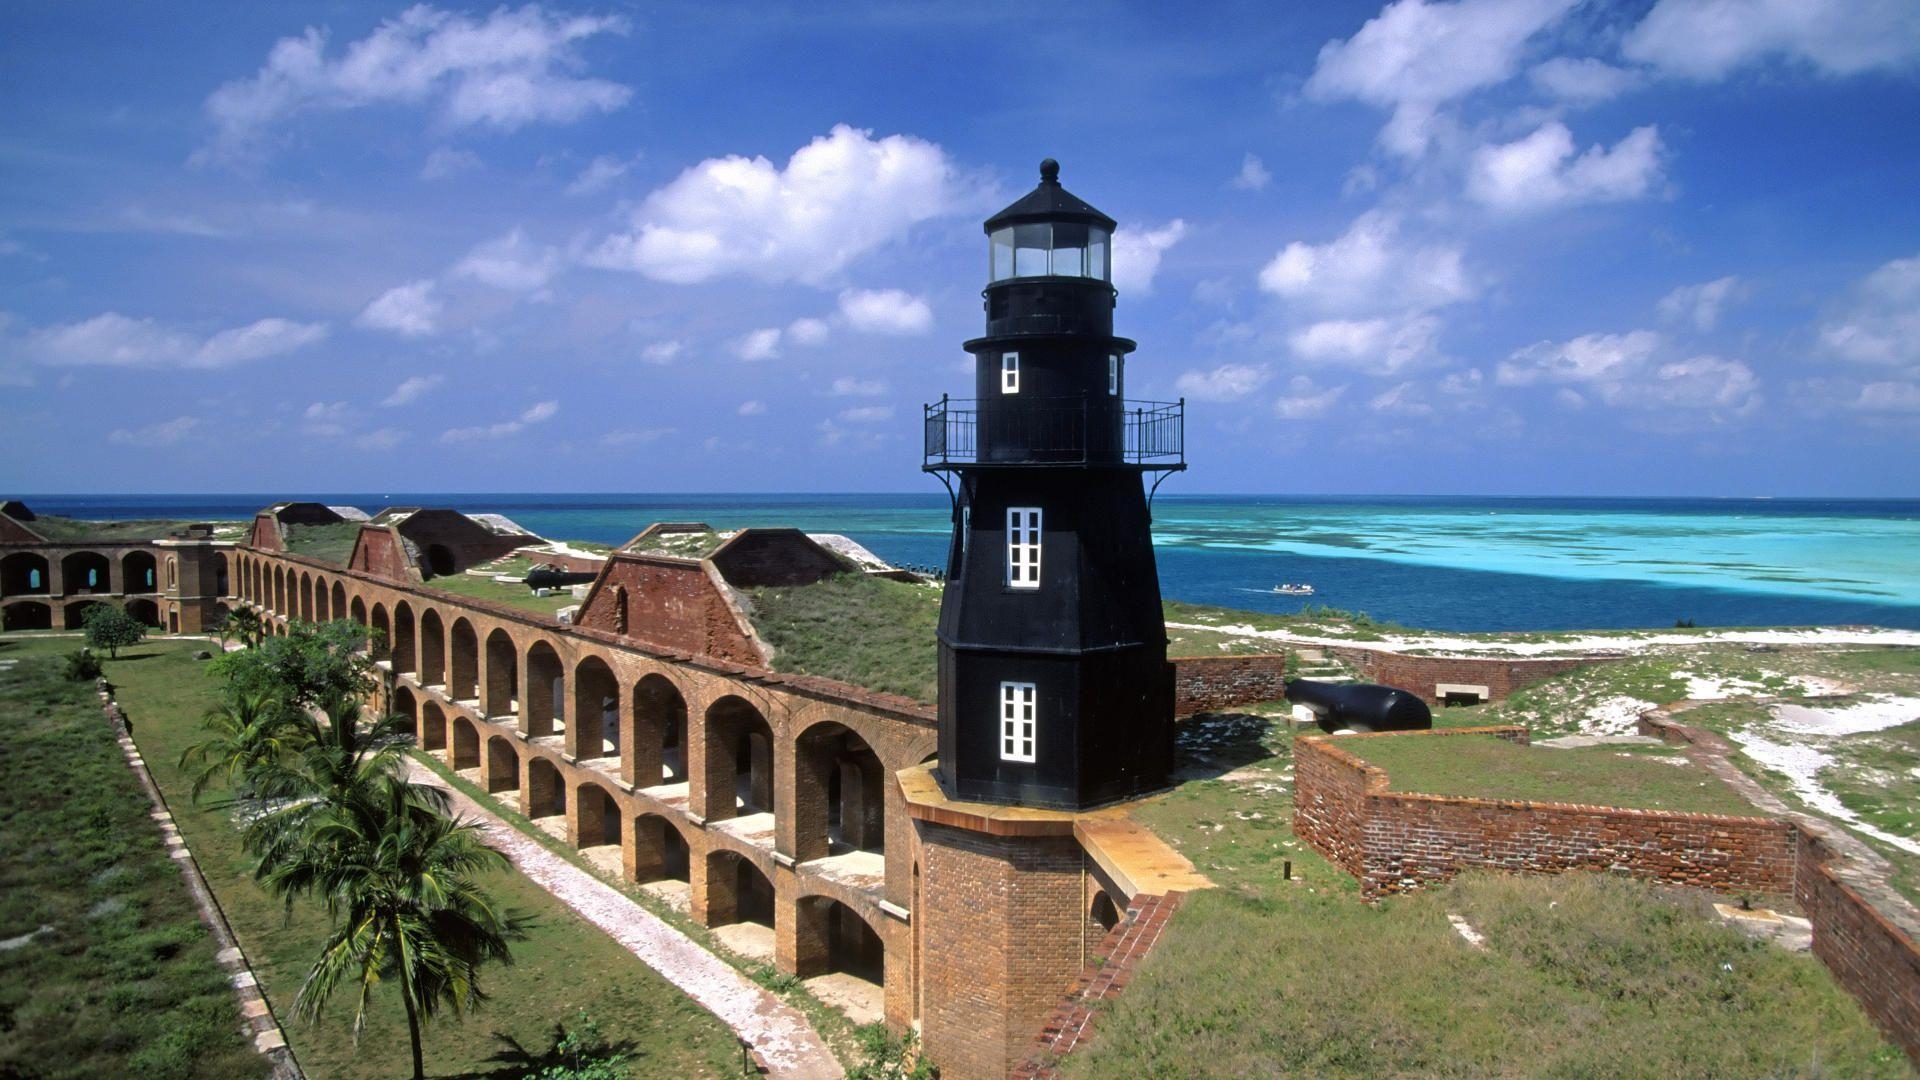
125 983
684 545
1584 975
564 966
1481 766
66 529
863 630
511 594
331 543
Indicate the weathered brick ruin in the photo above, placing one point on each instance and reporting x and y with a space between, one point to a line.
178 584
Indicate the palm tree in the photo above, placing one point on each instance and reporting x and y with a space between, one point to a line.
242 624
249 732
340 757
396 873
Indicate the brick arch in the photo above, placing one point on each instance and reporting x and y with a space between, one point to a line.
406 705
463 661
660 850
1102 911
357 610
832 936
139 573
464 750
433 648
433 726
26 573
405 650
545 794
322 600
27 615
840 793
86 572
654 748
597 819
500 695
502 766
381 627
736 773
304 606
594 720
338 598
279 604
738 890
542 691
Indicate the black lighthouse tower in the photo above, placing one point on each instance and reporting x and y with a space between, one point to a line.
1054 685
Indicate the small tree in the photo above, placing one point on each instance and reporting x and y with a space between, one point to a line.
109 627
242 625
311 664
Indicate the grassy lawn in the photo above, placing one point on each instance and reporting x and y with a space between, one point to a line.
58 528
124 982
513 594
864 630
332 542
1583 975
1482 766
565 966
697 544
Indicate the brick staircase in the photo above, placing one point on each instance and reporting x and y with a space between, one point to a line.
1120 952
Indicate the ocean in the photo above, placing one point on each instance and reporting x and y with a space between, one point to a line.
1441 563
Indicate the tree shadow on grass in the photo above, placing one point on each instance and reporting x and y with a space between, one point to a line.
1210 745
565 1048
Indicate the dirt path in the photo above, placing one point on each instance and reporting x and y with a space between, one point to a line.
781 1034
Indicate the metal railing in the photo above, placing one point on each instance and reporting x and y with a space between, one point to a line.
1056 431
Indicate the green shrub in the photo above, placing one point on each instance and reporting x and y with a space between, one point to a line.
82 666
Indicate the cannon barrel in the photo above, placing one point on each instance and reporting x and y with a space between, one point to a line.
547 577
1361 706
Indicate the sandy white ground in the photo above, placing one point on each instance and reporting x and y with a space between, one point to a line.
1587 644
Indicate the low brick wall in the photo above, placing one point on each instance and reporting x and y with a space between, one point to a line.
1420 674
1396 841
1210 683
1114 961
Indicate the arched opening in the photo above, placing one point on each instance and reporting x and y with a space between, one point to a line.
463 668
596 710
322 610
338 605
406 659
597 818
433 727
76 614
24 574
738 772
440 561
222 575
546 794
1103 912
173 622
279 590
145 612
546 689
407 707
836 760
86 572
502 700
466 744
137 573
28 615
659 851
659 732
433 649
832 937
304 608
503 765
737 892
381 633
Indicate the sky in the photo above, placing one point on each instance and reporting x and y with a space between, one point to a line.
1667 247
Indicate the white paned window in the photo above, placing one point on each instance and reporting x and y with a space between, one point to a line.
1016 721
1010 373
1113 376
1023 547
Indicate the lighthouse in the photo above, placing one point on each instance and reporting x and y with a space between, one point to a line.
1054 686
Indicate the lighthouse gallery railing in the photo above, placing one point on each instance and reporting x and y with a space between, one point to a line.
1067 431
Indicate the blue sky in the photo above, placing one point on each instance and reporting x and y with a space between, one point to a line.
1493 246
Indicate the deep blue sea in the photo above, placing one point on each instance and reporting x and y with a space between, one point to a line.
1442 563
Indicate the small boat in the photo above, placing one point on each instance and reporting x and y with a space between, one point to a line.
1291 589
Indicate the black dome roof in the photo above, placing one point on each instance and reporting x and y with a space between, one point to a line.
1049 202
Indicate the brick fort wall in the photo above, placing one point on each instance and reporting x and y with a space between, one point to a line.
1210 683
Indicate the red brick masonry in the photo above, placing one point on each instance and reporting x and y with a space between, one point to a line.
1394 841
1420 674
1208 683
1120 953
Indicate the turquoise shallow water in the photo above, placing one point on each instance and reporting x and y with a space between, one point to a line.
1458 564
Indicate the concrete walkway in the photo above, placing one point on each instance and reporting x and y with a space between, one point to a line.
779 1033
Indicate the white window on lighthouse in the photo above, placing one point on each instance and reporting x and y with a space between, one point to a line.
1010 373
1016 721
1113 375
1023 547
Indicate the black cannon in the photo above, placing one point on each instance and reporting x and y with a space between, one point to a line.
1360 706
549 577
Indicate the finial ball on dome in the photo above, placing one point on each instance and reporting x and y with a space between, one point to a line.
1049 171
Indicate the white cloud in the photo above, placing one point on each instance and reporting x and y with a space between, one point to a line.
166 433
510 262
1881 324
1540 171
758 344
851 387
1589 358
662 352
325 410
115 340
1304 400
640 437
412 389
534 414
1888 397
1709 39
1228 382
385 438
447 161
808 331
410 310
1583 81
1377 346
1136 254
1402 398
1625 370
885 311
1414 57
751 408
1702 304
1253 175
599 173
867 414
1366 270
838 198
1702 382
509 70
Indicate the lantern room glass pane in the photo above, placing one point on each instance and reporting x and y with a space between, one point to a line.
1030 244
1097 248
1069 249
1002 266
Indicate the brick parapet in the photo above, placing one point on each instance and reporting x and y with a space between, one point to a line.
1209 683
1111 968
1422 674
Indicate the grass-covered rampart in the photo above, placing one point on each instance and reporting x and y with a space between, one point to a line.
1484 767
